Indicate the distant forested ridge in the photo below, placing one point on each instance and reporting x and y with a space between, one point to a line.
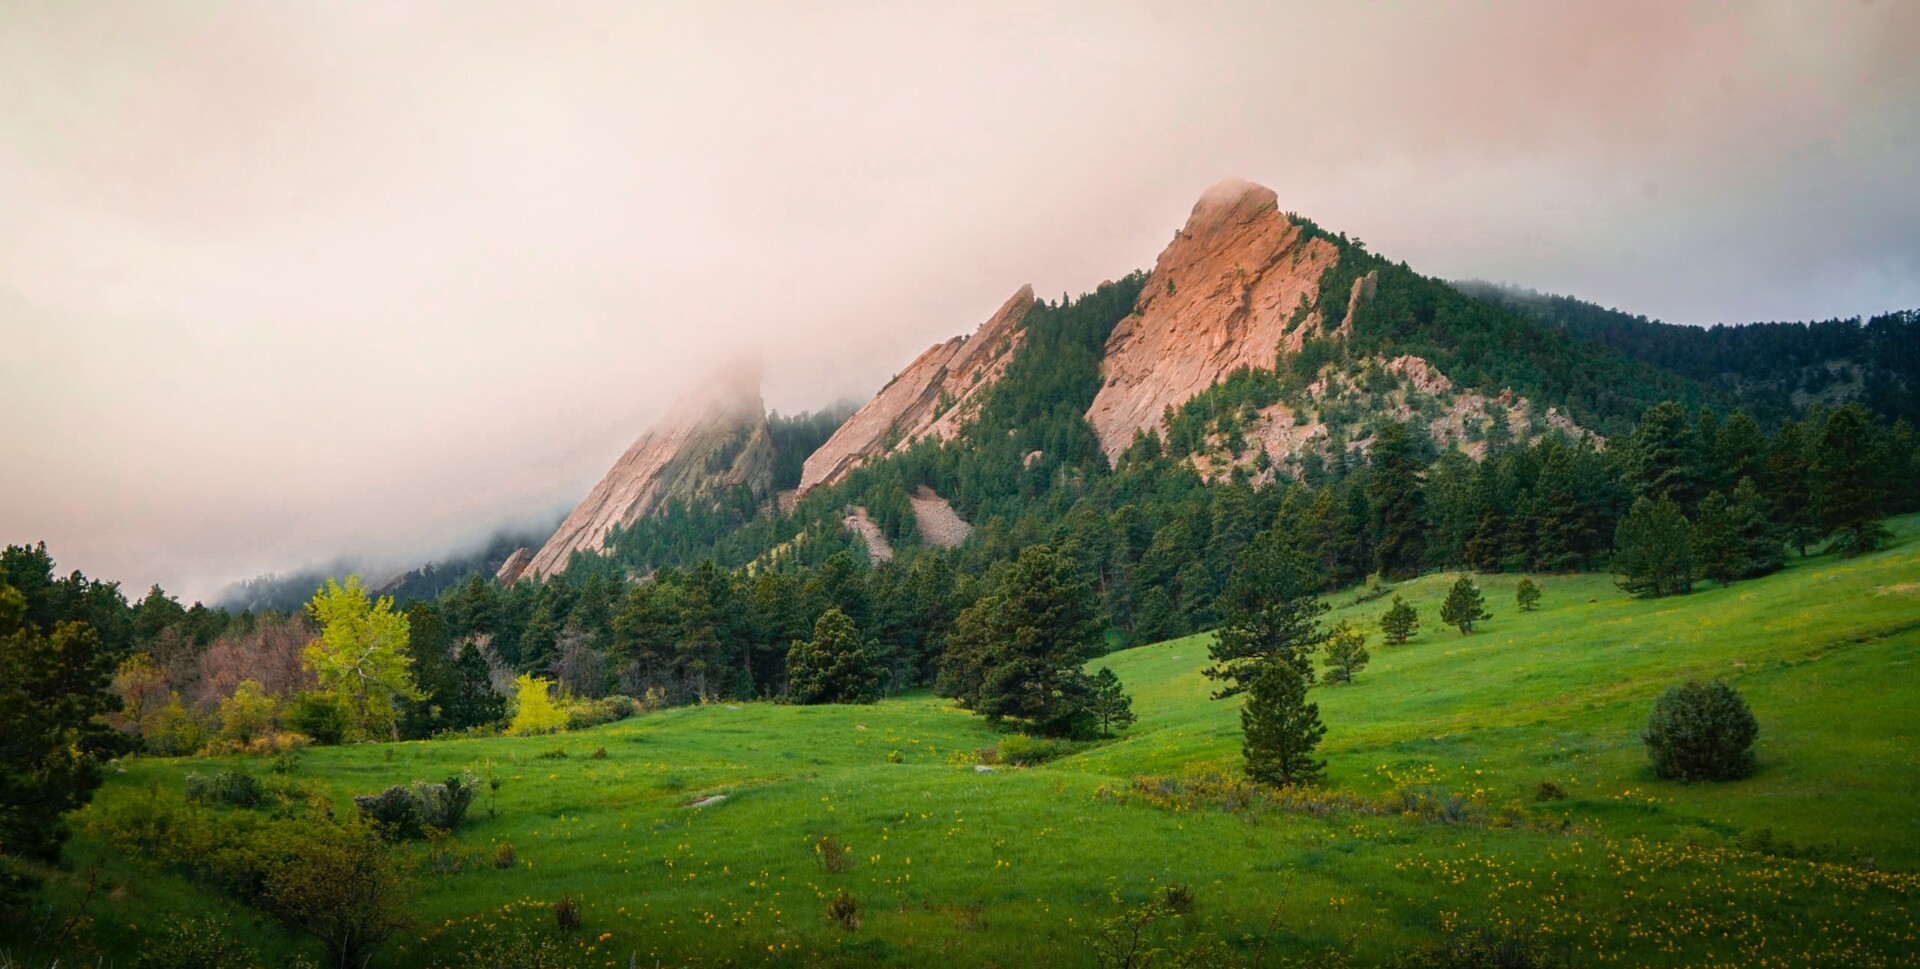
1772 370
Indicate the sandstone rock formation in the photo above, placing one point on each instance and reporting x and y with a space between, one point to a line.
515 564
931 398
712 440
1231 290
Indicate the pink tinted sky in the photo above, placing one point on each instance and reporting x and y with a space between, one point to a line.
282 281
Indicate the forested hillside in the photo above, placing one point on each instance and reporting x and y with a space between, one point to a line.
1773 370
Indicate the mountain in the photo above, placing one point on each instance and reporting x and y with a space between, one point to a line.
1231 290
937 392
712 441
1770 369
1261 346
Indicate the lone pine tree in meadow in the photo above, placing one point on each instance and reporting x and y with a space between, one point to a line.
1400 622
1270 613
1110 705
1464 606
1527 595
1346 653
1281 728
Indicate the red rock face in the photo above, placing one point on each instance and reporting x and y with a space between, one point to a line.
931 398
1223 295
715 438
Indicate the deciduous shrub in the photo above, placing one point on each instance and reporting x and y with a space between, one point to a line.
504 856
321 716
582 714
197 943
843 910
225 788
404 811
566 913
1701 731
1024 751
535 711
835 856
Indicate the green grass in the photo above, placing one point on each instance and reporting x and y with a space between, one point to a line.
1014 868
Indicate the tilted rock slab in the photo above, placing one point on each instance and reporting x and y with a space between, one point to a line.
1225 294
713 440
931 398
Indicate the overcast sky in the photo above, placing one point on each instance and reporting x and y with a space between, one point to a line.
280 282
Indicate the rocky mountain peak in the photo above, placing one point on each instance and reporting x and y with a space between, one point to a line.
715 438
931 398
1232 289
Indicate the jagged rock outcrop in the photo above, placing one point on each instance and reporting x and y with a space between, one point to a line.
931 398
1278 438
713 440
516 564
1233 288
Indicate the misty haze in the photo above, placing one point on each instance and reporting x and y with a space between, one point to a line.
1148 485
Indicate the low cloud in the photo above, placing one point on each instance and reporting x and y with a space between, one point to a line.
281 282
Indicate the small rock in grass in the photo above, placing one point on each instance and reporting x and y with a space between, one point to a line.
708 801
982 769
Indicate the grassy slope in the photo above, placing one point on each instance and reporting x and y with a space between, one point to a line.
1012 868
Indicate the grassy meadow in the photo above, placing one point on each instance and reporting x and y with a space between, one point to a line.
1809 862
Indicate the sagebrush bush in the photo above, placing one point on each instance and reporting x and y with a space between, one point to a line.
1701 731
504 856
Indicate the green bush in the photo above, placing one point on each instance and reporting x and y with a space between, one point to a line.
1701 731
197 943
404 812
227 788
592 713
1024 751
321 716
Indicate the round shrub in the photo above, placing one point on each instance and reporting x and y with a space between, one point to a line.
1701 732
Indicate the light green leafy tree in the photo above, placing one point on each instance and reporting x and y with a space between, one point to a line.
362 654
535 711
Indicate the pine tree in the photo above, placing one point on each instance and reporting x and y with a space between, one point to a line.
1789 485
1397 502
1400 622
1281 729
1663 456
1527 595
1110 705
1346 653
1653 550
1464 606
836 666
1270 614
1849 489
1021 646
1717 551
1761 550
